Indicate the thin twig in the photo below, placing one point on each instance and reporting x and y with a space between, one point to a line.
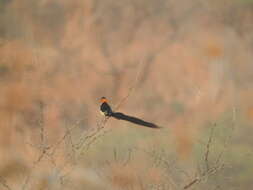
131 89
208 147
95 138
83 145
3 182
225 147
92 133
163 160
209 170
199 178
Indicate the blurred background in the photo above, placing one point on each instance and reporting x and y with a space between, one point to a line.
185 65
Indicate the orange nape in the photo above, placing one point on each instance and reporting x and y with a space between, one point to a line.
103 99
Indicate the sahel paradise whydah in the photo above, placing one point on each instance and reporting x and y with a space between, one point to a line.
106 110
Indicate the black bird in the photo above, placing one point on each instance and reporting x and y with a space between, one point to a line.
106 110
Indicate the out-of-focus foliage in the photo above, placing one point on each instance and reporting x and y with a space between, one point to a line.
190 63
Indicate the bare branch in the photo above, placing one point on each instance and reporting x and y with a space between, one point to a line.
210 170
199 178
164 161
208 147
229 137
3 182
131 89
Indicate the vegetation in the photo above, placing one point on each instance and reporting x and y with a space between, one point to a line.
186 66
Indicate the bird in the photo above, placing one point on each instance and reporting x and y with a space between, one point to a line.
106 110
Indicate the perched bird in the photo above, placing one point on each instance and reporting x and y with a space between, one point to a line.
106 110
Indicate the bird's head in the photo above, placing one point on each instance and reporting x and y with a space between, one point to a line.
103 99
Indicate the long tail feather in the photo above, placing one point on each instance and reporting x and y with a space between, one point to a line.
121 116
